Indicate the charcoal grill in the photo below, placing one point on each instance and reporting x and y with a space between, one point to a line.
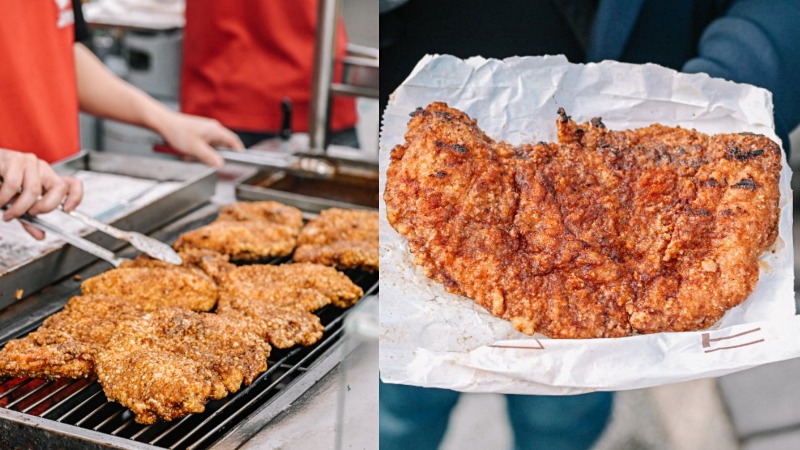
65 413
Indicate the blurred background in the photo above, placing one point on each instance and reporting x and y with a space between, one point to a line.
142 41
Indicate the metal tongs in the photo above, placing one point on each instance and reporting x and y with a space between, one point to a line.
303 165
144 244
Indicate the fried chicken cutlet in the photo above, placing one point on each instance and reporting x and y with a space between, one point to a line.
346 239
67 342
170 362
248 231
196 260
154 287
605 234
280 299
266 211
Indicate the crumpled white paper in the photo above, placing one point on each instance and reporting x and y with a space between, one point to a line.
433 338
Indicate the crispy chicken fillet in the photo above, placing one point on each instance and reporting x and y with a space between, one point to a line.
605 234
342 238
281 298
314 286
282 327
242 241
67 342
248 231
170 362
197 260
154 287
268 211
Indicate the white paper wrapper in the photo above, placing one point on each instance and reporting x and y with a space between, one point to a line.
436 339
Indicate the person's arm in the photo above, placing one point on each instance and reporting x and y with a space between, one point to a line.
757 42
102 93
29 185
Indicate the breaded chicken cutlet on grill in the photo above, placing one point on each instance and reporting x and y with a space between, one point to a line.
346 239
67 342
154 287
197 260
170 362
605 234
281 299
248 231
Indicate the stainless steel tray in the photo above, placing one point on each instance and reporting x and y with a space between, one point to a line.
309 194
194 186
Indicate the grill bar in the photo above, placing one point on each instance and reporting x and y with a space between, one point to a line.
26 396
80 405
47 397
122 427
109 419
245 391
68 398
140 432
13 389
171 429
91 414
311 354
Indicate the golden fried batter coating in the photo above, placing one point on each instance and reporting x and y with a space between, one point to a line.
67 342
346 239
170 362
248 231
154 287
268 211
199 260
282 327
242 241
280 299
301 285
606 234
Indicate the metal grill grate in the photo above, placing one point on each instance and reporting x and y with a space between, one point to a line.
82 405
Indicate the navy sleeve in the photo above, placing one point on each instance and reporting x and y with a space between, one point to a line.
757 42
81 29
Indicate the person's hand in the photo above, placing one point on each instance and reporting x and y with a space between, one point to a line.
30 185
196 137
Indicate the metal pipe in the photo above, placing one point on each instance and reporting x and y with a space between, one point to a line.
328 11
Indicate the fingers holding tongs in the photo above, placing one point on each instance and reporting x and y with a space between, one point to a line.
73 239
144 244
14 194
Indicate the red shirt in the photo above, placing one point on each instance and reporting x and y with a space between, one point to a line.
38 89
241 58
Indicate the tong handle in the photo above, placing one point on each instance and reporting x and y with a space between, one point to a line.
94 223
139 241
75 241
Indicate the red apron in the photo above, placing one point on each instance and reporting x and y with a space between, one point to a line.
38 89
241 58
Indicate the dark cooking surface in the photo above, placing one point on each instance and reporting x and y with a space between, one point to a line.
344 188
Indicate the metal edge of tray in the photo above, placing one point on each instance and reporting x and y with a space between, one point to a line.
197 187
26 431
247 190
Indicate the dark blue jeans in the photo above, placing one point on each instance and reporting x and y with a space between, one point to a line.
414 417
